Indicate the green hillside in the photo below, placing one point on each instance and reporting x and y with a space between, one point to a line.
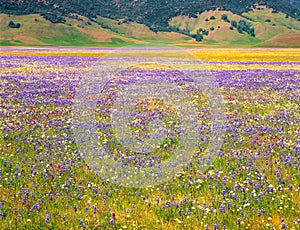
153 13
265 23
271 29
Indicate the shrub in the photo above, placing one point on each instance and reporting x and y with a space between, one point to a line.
11 24
199 37
224 17
240 29
252 32
53 18
205 32
243 26
234 23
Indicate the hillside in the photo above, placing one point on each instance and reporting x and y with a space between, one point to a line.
258 26
153 13
266 24
35 30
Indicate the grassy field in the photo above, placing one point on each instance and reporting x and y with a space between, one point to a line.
253 183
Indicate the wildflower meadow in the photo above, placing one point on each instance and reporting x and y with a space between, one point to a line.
241 173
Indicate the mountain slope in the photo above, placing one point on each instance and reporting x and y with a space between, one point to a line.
265 22
266 27
153 13
35 30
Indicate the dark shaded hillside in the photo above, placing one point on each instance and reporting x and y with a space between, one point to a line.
153 13
295 2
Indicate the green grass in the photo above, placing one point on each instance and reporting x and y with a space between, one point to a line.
72 37
10 42
252 41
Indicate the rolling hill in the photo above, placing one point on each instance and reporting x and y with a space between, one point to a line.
123 22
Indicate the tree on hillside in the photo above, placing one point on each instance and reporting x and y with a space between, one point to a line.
234 23
252 33
240 29
205 32
11 24
224 17
199 37
243 26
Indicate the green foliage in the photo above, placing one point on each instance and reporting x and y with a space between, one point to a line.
243 26
201 33
240 29
212 28
53 18
233 23
178 30
224 17
205 32
103 25
252 32
250 19
11 24
267 20
212 18
153 13
199 37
